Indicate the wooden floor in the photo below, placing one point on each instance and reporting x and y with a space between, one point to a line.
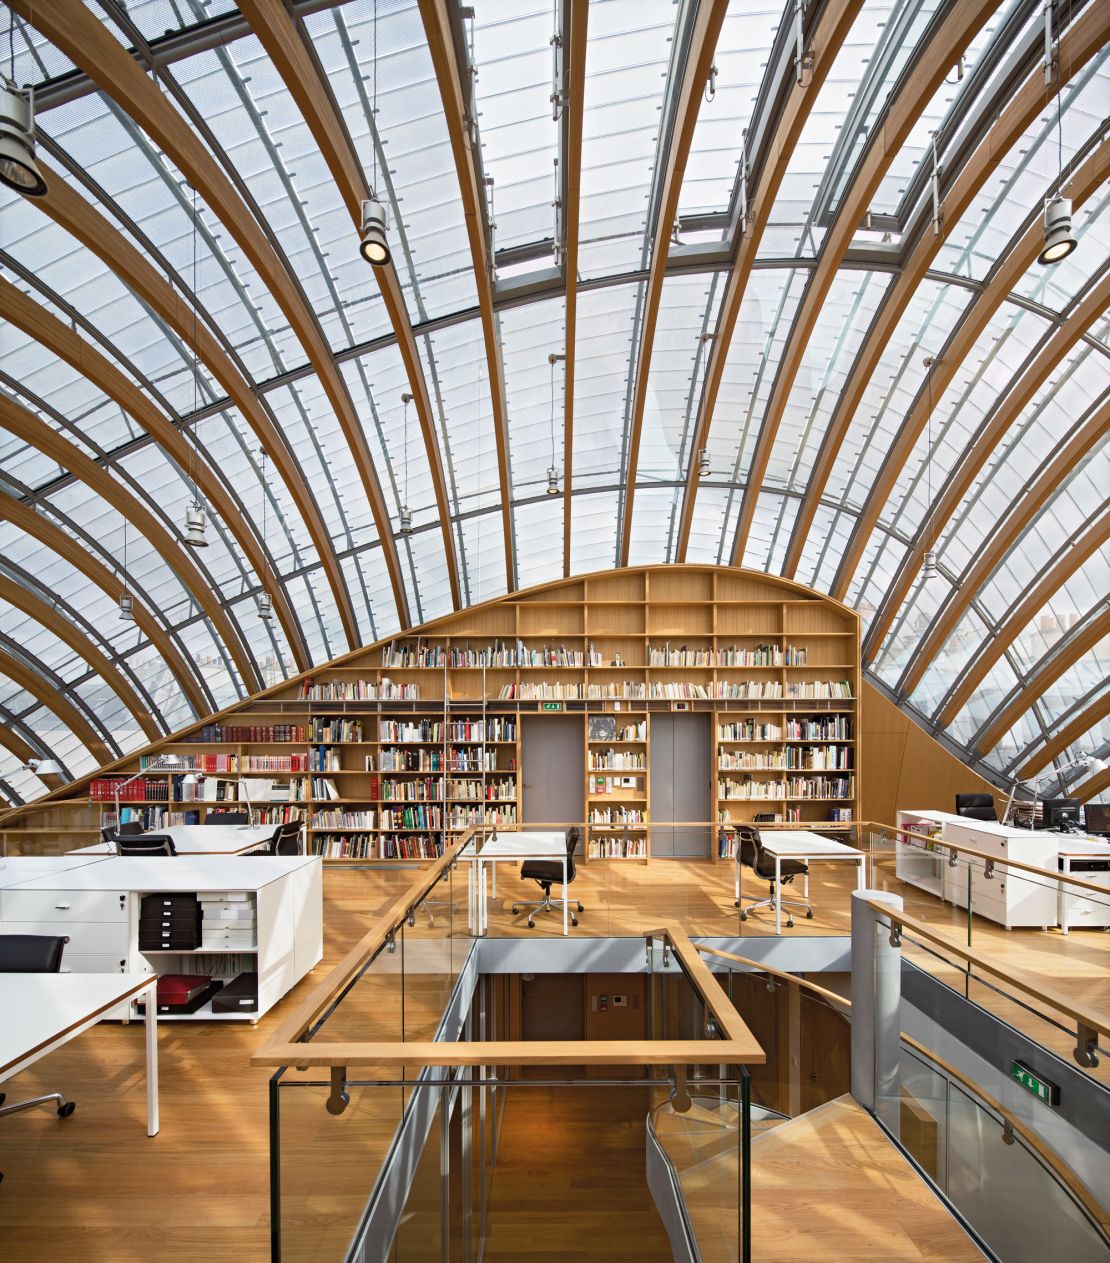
94 1188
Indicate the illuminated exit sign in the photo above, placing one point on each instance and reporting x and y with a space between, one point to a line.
1042 1089
551 706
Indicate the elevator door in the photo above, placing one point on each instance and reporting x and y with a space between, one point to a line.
680 783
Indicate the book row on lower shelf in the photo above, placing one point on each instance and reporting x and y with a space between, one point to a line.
801 787
803 758
370 846
625 847
671 690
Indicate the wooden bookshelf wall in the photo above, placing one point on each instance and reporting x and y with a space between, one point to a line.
389 749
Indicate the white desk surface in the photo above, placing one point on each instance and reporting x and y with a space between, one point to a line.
1078 847
537 844
173 872
786 842
16 869
41 1009
202 839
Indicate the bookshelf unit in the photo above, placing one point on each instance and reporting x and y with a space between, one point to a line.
389 750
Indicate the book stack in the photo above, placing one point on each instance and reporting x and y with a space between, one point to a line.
229 921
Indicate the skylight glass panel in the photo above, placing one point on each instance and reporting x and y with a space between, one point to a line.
112 717
432 580
707 522
519 138
156 18
1078 680
651 522
527 336
603 338
984 703
484 541
593 533
967 638
1058 286
539 540
770 532
628 53
220 674
741 56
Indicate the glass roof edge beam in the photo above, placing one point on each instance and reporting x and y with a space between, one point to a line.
1087 715
30 746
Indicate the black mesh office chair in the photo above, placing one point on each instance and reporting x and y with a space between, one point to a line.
228 817
976 806
145 844
286 840
751 854
548 873
33 954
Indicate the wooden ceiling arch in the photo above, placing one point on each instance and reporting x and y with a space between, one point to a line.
58 625
1078 45
53 537
89 44
285 45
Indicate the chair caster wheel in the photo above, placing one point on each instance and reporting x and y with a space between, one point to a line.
531 924
3 1097
790 925
743 916
580 908
809 915
65 1110
574 920
515 909
736 904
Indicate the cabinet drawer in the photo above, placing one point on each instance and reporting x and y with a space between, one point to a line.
86 938
62 905
93 964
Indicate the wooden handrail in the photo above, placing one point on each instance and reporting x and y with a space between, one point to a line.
1062 1171
1053 876
1082 1194
1089 1022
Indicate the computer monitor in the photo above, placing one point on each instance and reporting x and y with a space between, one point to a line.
1059 812
1097 817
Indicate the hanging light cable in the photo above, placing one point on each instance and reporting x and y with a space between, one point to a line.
552 469
126 600
1059 239
406 512
929 565
265 597
196 525
374 237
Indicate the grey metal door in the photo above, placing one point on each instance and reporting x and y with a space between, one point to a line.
553 764
680 783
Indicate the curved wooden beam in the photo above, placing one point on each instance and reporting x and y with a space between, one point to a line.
1013 265
1081 42
1091 787
436 17
23 599
1063 655
89 44
82 221
24 753
708 19
972 460
1088 543
824 41
575 88
1068 735
50 332
285 45
928 68
995 548
53 537
47 695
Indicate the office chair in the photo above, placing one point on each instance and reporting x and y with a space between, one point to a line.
976 806
228 817
146 844
548 873
286 840
33 954
751 854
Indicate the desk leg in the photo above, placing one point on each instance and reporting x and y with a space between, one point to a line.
1062 896
778 895
483 906
736 881
151 1020
566 910
861 873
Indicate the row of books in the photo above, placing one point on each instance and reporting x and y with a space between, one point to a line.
541 691
191 762
419 816
365 846
433 760
499 654
344 820
729 656
820 728
465 817
497 790
734 761
617 759
749 730
617 815
789 787
819 758
458 730
629 848
248 733
819 689
335 730
430 789
386 690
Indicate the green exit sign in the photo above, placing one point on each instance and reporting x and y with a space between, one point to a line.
551 706
1042 1089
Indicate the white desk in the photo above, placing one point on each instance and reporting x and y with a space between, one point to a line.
1071 905
800 844
515 846
44 1011
202 839
96 901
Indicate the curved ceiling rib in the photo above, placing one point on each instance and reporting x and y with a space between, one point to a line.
1064 654
26 426
675 150
54 538
81 221
440 32
574 89
1080 43
930 64
46 694
1054 575
1072 732
24 752
1076 447
1090 308
38 323
1091 788
286 47
88 44
823 42
47 616
1013 264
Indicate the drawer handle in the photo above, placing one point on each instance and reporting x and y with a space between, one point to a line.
62 907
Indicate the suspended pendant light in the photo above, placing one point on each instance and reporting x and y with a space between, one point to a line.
929 566
196 526
18 168
552 469
126 607
373 233
704 467
265 606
